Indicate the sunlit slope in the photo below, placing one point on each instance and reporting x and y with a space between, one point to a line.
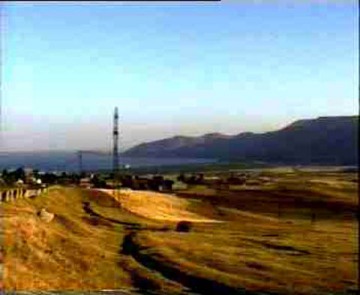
67 253
95 243
296 237
259 254
80 249
157 206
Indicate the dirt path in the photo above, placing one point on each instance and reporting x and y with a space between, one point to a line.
199 285
129 247
192 284
143 284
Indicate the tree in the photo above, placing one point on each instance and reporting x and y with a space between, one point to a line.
167 184
19 174
181 177
36 173
49 178
98 182
4 173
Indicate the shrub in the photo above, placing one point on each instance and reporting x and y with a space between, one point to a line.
184 226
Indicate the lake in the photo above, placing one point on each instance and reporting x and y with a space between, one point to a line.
69 161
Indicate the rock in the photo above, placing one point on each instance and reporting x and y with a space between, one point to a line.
45 216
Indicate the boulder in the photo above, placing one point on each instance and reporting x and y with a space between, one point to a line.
45 215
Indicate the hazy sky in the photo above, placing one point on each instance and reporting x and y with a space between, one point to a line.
171 69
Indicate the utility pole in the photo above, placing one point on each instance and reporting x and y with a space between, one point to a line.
79 154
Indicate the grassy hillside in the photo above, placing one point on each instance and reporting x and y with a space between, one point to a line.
296 236
75 251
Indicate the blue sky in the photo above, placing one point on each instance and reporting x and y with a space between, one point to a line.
171 69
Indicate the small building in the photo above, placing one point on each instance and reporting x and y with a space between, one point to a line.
86 182
179 185
166 185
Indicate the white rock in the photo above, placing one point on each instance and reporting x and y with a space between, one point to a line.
46 216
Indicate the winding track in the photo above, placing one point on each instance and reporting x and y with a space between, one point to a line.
192 284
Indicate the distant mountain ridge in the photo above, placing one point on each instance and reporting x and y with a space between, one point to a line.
324 140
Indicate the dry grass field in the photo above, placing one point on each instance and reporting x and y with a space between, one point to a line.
157 206
296 235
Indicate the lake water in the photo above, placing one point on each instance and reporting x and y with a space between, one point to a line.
68 161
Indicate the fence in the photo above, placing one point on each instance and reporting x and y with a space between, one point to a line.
10 195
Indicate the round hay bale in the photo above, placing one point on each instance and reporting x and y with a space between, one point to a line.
184 226
45 216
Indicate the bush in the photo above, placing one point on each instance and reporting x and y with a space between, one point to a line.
184 226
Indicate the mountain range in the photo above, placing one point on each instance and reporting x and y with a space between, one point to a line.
324 140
